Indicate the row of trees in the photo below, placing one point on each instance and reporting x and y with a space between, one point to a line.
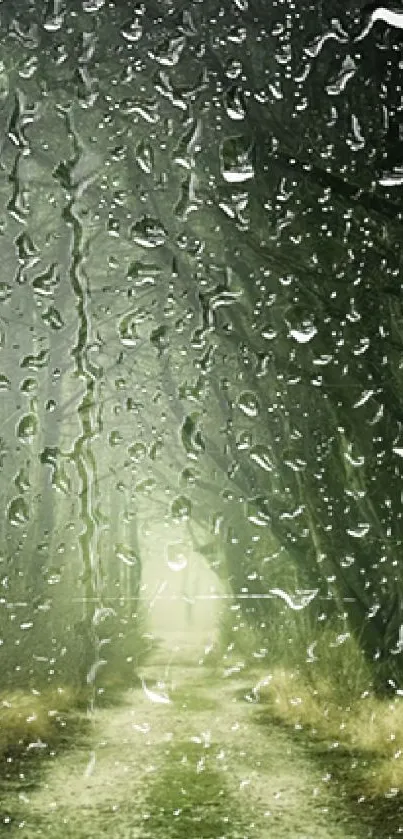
200 319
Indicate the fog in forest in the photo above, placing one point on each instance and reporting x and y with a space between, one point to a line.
201 442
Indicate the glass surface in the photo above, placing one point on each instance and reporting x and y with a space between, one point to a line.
201 411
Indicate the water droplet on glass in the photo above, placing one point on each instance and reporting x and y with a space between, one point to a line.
45 284
236 160
261 456
337 85
35 362
233 68
102 613
176 560
53 318
4 83
125 554
27 428
191 436
137 452
360 531
145 156
5 292
304 334
235 104
18 511
127 330
93 5
132 31
169 52
181 508
153 696
299 600
248 404
148 233
115 438
258 511
29 385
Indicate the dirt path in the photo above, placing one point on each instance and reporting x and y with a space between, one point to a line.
197 766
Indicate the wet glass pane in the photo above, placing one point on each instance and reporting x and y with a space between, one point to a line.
201 441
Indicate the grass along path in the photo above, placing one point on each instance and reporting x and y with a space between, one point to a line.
194 767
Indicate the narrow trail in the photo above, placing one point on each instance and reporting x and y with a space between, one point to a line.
196 766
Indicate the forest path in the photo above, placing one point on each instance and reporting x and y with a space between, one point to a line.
198 766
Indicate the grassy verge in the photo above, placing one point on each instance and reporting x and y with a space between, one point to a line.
34 728
316 682
367 729
37 722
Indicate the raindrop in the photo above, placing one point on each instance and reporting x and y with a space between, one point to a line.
161 698
91 675
305 333
191 436
360 531
392 17
233 69
169 52
29 385
93 5
27 428
260 455
147 486
176 560
299 600
236 159
366 394
45 284
5 292
53 318
347 561
269 334
257 511
357 461
248 404
18 511
148 233
90 765
35 362
338 84
22 481
4 83
102 613
337 32
5 383
181 508
132 31
394 178
137 452
125 554
145 157
127 330
235 104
